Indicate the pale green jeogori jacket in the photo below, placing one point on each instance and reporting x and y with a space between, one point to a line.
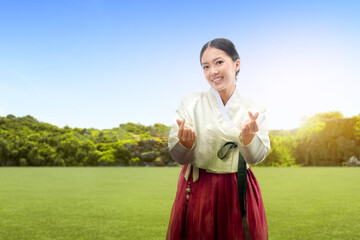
215 125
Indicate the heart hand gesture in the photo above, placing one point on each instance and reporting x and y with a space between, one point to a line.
186 134
249 127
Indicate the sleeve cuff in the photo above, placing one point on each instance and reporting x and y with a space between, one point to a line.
255 151
181 154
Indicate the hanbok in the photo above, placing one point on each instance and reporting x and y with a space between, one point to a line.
206 204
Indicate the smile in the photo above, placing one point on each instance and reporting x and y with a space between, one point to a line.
217 79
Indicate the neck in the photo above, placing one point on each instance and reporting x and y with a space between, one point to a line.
226 94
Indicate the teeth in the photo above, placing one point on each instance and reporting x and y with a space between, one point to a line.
217 79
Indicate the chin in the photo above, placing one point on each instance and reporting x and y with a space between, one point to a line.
218 87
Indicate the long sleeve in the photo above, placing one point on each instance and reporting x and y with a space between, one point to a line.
181 154
257 150
177 151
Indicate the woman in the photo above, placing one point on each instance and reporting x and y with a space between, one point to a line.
215 135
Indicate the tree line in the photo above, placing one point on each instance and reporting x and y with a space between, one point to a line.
325 139
24 141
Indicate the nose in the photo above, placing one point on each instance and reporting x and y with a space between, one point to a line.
214 72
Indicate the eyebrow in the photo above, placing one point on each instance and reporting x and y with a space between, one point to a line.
213 60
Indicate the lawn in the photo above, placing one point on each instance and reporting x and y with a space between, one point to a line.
135 203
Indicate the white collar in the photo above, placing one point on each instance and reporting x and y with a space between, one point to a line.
226 107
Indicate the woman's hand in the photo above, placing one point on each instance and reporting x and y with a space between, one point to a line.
248 128
186 134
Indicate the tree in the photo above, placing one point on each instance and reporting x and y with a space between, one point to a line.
282 150
327 139
357 126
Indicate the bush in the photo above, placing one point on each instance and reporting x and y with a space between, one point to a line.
23 162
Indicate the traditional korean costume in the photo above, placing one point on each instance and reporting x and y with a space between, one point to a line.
206 205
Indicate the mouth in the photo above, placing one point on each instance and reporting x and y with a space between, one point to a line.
217 80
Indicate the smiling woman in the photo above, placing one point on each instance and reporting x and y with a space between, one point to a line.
215 134
219 69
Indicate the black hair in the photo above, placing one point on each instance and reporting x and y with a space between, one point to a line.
223 44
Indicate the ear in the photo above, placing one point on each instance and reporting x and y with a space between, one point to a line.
237 65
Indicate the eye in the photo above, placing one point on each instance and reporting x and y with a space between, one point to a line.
205 67
219 62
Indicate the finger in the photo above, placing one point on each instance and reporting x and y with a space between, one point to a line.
182 123
251 115
180 133
178 121
243 129
253 128
190 136
193 135
186 135
181 129
256 127
248 130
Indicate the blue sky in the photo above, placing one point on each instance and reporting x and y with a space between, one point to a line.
102 63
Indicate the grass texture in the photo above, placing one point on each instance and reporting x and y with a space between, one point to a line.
135 203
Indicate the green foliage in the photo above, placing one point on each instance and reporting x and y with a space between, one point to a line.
357 126
159 129
24 141
281 151
134 128
134 161
325 139
107 157
333 145
23 162
312 125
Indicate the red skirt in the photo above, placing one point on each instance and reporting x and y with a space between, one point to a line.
213 210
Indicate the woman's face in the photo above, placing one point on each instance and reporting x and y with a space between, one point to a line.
219 69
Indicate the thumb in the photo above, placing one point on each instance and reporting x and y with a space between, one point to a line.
253 116
178 121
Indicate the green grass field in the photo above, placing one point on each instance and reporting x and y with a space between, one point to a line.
135 203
